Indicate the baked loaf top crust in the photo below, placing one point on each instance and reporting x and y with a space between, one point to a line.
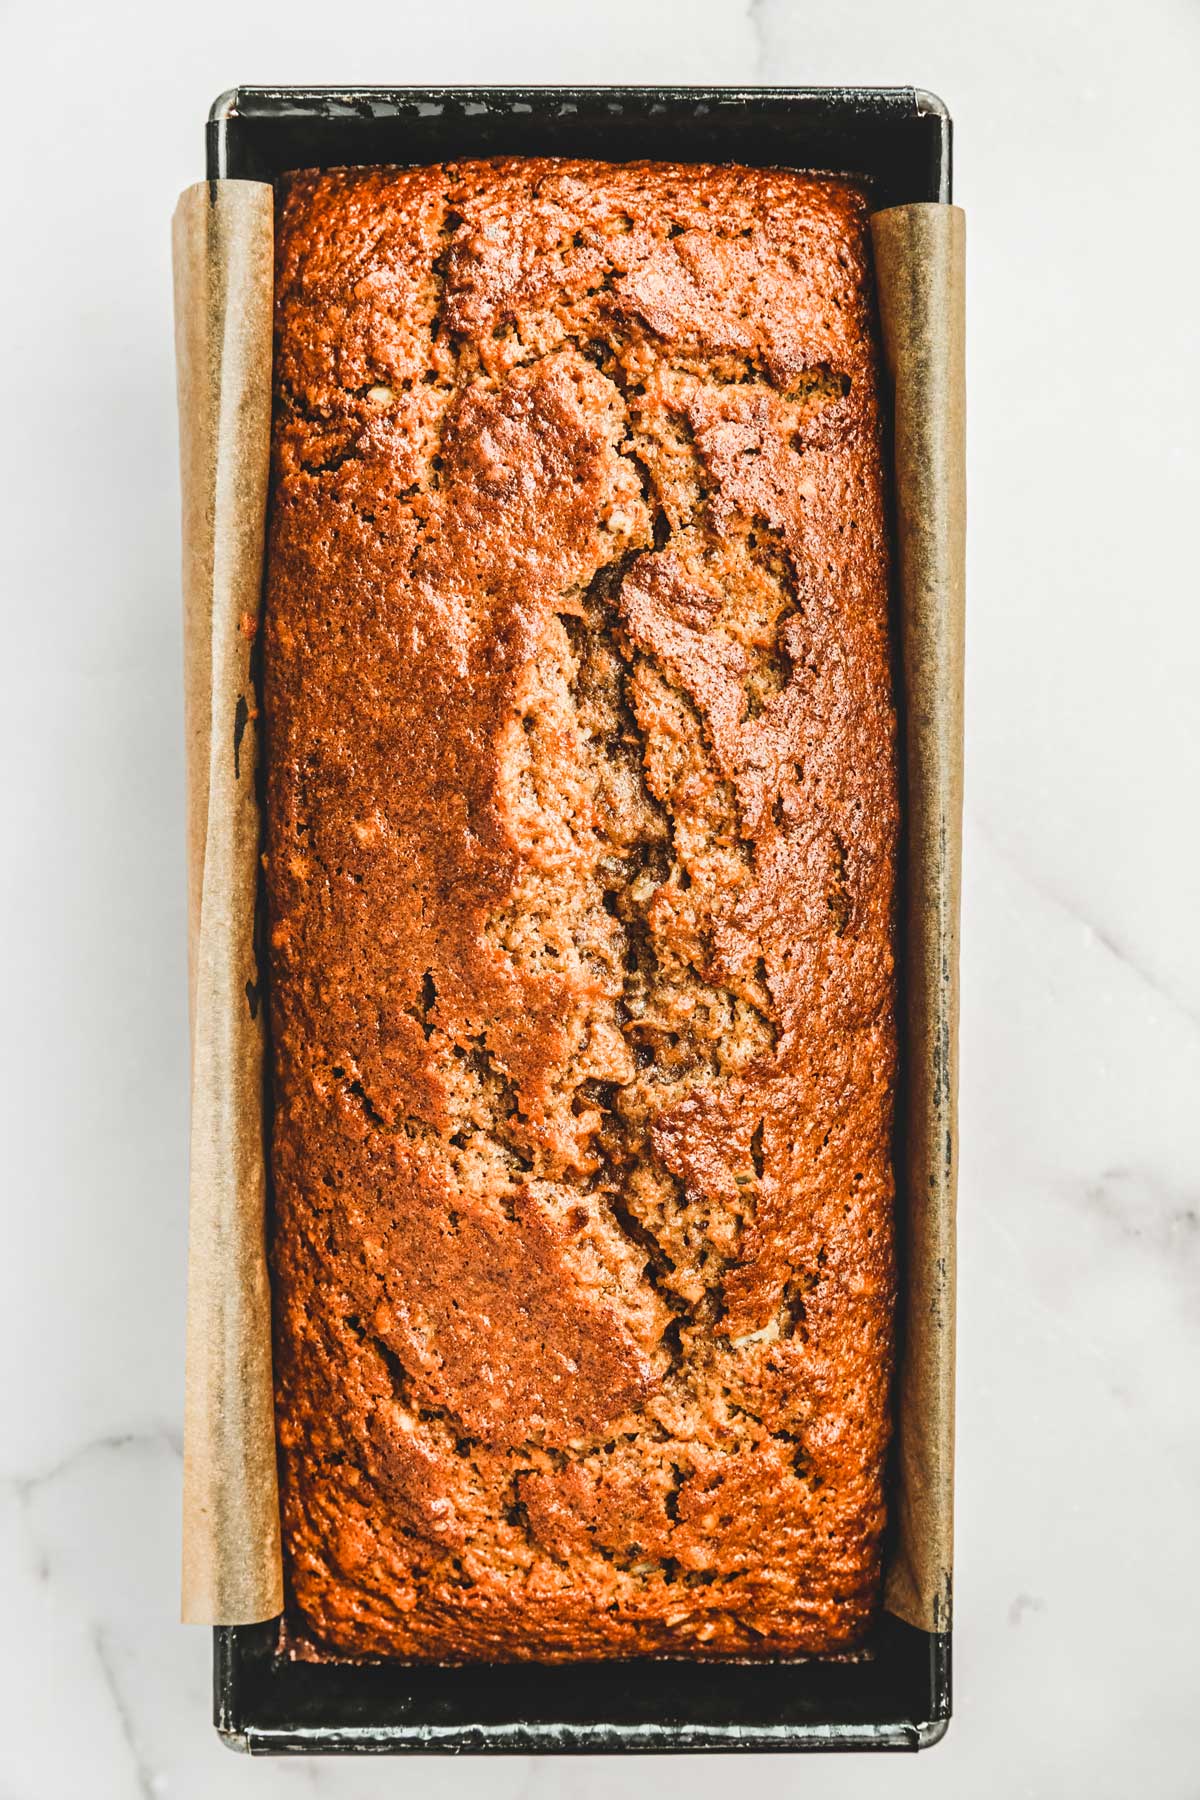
581 836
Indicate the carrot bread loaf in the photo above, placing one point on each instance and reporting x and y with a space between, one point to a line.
582 811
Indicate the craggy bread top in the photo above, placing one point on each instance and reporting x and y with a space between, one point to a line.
581 840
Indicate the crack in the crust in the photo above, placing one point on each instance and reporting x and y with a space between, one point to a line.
490 1076
403 1385
405 1125
467 1445
440 269
439 266
675 869
322 417
632 1560
360 1093
350 452
837 895
493 1080
420 1013
797 1454
633 879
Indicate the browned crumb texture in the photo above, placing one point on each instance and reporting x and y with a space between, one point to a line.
581 841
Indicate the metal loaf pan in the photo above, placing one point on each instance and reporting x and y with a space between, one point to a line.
897 1696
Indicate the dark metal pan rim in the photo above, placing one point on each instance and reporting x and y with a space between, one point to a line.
899 139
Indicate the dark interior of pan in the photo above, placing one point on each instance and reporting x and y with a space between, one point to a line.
897 1696
897 138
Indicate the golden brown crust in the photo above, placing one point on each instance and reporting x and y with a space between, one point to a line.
581 838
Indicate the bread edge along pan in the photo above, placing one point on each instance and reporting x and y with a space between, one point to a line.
898 1697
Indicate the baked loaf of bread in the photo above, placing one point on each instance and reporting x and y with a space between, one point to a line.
581 838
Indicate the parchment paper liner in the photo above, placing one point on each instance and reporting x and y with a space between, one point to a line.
224 277
223 255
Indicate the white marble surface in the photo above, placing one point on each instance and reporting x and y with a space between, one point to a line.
1079 1488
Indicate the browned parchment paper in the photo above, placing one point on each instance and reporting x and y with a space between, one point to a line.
223 263
919 262
223 256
